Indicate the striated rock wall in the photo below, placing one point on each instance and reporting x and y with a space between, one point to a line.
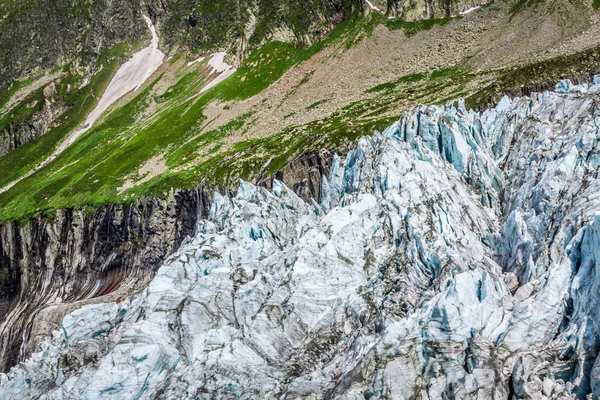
48 108
411 10
61 31
79 256
303 175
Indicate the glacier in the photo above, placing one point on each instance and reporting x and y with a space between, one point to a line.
453 256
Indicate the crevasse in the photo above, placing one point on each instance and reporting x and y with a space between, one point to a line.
452 256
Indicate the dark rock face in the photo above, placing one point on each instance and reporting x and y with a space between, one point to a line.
304 175
70 30
242 24
20 132
60 31
79 257
417 10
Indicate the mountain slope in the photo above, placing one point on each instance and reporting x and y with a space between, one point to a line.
283 102
451 256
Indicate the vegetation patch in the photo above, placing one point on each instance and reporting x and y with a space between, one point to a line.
170 124
7 92
388 86
414 27
81 103
521 5
317 104
540 74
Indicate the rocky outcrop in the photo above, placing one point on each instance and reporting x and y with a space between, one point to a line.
303 175
48 109
411 10
58 32
80 257
63 31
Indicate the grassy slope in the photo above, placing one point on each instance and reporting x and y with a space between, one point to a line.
82 101
90 172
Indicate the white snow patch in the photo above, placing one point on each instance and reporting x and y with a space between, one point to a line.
470 10
195 61
130 77
219 66
373 7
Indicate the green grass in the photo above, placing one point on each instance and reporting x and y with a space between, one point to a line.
521 5
81 102
414 27
596 4
317 104
261 70
193 149
89 172
538 74
388 86
266 65
7 92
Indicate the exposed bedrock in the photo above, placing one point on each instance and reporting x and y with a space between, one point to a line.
78 257
18 133
303 175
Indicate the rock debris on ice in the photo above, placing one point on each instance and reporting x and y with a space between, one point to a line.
453 256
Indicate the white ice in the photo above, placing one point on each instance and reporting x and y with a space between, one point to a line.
455 255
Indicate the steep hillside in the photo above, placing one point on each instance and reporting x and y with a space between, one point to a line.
285 100
86 30
74 35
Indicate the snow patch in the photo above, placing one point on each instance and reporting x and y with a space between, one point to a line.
373 7
470 10
195 61
130 77
218 66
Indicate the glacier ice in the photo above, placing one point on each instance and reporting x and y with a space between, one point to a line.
452 256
